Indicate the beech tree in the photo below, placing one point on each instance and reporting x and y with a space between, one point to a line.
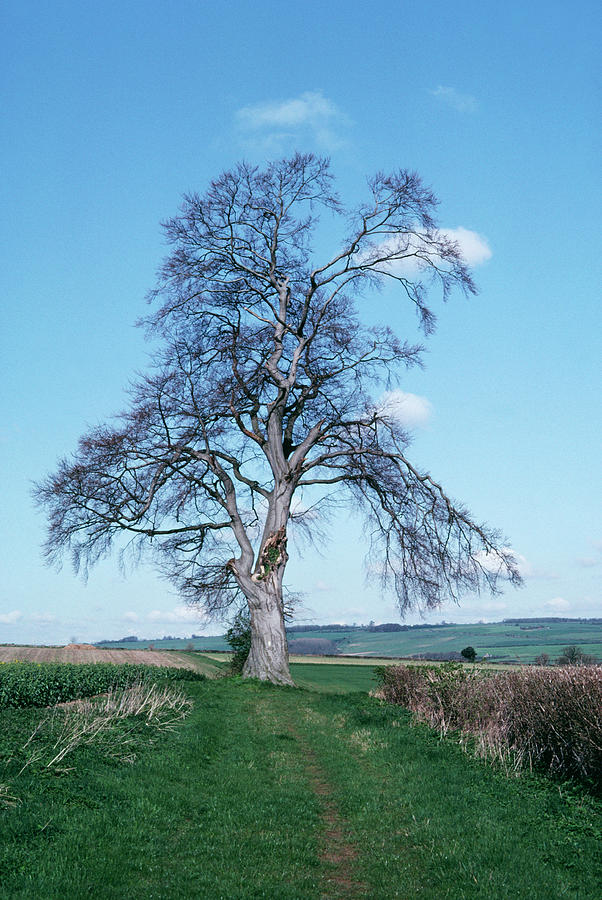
265 386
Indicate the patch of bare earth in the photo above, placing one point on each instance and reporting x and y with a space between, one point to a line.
336 847
86 653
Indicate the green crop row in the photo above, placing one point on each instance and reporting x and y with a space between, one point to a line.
25 684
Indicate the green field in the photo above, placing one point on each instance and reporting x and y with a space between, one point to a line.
337 679
500 641
268 792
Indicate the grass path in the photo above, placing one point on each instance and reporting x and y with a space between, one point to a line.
336 848
279 793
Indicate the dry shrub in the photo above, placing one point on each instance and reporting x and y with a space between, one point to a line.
553 718
544 718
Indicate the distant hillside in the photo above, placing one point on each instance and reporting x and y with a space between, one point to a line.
511 640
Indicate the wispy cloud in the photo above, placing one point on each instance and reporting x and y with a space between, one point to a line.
44 618
311 115
492 563
301 510
130 617
11 618
464 103
558 604
322 586
410 410
177 615
587 562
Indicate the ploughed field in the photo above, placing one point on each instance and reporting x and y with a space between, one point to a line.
86 653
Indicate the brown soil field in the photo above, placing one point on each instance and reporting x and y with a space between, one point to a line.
81 653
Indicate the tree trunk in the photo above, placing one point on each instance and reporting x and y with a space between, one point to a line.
268 656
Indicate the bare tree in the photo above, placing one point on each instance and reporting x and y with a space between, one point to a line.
574 656
266 386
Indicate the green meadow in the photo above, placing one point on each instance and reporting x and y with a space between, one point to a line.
267 792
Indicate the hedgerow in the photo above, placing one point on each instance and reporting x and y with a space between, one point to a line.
24 684
550 719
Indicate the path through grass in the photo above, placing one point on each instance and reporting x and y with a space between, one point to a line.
271 792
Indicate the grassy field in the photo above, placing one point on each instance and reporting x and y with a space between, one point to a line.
501 641
325 675
337 679
267 792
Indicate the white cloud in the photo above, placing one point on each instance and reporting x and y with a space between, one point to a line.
310 114
474 246
410 410
43 619
559 604
524 567
491 563
130 617
589 561
322 586
177 615
11 618
464 103
310 108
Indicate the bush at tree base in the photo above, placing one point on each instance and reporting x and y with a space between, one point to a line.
239 638
550 719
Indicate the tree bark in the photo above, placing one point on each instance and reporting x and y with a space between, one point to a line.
268 656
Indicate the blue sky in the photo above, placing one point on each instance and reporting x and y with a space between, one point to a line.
112 111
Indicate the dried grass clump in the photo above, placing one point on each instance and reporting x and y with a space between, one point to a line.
545 718
6 798
114 716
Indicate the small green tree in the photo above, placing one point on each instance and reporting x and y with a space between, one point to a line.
239 638
469 653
